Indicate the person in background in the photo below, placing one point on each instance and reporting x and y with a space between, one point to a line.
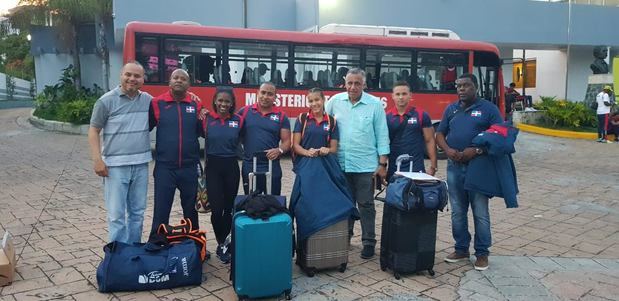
613 125
510 101
604 102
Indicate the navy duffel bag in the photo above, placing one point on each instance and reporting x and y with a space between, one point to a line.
149 266
410 195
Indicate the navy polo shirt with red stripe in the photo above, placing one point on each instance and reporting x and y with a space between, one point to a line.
261 132
461 125
407 139
223 135
316 135
178 129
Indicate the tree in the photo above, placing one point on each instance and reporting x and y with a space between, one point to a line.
16 59
67 15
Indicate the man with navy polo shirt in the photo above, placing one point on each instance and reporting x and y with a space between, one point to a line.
461 122
175 114
265 129
409 132
362 150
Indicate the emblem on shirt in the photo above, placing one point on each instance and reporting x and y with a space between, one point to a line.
190 109
476 113
233 124
274 118
412 120
325 127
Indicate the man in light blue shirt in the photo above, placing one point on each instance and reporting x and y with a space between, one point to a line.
363 149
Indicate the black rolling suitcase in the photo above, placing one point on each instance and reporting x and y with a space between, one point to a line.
408 237
408 241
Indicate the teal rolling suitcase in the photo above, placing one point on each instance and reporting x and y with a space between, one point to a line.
262 251
262 260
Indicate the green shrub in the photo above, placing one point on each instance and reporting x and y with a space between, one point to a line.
64 102
76 111
563 113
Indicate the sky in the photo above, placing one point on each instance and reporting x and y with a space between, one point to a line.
6 4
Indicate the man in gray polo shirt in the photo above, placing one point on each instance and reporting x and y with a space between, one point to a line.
122 114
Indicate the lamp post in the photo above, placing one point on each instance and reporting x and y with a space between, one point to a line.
567 62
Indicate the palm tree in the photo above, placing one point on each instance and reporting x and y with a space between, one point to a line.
67 15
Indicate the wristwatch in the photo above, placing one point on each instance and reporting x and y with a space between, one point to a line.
479 151
383 164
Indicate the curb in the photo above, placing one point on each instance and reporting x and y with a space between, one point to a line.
556 133
58 126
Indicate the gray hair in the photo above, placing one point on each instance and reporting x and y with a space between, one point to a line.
357 71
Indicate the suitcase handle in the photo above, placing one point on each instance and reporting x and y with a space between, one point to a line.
268 174
402 159
380 198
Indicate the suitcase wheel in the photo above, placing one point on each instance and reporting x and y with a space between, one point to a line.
287 295
397 275
243 298
343 267
431 271
383 267
310 272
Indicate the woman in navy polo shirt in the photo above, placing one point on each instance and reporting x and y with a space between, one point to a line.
223 129
320 196
315 133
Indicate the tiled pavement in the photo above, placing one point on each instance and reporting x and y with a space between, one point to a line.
561 244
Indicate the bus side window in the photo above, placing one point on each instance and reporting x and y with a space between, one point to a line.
197 56
147 54
384 67
438 71
315 66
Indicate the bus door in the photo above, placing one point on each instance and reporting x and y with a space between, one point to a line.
486 67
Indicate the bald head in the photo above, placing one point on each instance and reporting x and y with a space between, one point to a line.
131 78
179 72
132 65
179 83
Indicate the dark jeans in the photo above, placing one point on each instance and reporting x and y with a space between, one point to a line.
460 200
602 125
167 180
362 189
222 183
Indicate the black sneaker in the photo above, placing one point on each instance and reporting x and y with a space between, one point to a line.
367 252
225 254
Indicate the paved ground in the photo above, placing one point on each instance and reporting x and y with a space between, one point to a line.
561 244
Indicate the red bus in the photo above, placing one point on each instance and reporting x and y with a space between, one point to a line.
298 61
